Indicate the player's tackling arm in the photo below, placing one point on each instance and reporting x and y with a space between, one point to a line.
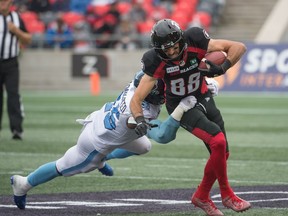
166 131
144 88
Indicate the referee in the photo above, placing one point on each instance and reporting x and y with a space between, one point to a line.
12 33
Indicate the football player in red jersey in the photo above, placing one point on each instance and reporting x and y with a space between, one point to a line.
175 58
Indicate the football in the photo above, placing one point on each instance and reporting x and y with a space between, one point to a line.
217 57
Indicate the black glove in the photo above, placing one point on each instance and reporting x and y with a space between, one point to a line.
215 70
142 126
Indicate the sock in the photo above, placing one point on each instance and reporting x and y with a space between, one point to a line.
43 174
208 180
21 186
119 153
218 162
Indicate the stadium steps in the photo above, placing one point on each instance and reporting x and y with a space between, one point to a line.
242 19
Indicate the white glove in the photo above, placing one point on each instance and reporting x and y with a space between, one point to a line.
188 103
213 86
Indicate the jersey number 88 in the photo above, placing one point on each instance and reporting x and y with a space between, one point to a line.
179 87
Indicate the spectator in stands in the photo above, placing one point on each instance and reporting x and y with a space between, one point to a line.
137 12
168 4
20 3
114 12
213 7
127 34
60 5
104 27
79 6
104 30
39 6
219 8
82 37
58 34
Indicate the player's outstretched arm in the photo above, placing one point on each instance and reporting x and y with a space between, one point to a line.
165 131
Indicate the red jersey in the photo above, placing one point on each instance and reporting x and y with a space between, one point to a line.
182 78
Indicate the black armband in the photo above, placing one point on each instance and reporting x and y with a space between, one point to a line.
226 65
140 119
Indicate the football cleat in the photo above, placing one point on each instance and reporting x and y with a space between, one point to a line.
106 170
16 135
236 203
206 205
20 201
20 188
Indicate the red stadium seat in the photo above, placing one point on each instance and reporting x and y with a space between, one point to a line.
204 19
70 18
124 7
191 2
157 13
145 27
101 10
28 16
181 19
35 27
185 8
142 1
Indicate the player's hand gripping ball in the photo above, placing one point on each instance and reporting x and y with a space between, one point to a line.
214 64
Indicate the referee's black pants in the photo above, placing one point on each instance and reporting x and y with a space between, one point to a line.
9 80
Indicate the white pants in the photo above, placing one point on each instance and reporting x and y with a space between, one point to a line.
83 157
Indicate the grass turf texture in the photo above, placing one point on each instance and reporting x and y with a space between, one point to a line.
256 128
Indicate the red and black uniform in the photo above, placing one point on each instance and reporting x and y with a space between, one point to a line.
182 78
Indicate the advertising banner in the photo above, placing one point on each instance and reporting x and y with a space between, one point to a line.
262 68
85 64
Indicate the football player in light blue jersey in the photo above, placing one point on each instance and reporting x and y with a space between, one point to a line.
107 134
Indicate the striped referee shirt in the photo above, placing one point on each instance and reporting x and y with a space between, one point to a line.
9 44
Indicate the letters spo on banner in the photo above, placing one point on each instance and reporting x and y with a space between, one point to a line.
262 68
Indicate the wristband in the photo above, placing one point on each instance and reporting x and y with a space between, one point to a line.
177 113
226 65
139 119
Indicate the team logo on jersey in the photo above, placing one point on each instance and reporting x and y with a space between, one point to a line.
172 69
182 63
193 63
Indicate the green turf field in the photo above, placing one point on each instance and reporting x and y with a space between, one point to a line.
257 130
